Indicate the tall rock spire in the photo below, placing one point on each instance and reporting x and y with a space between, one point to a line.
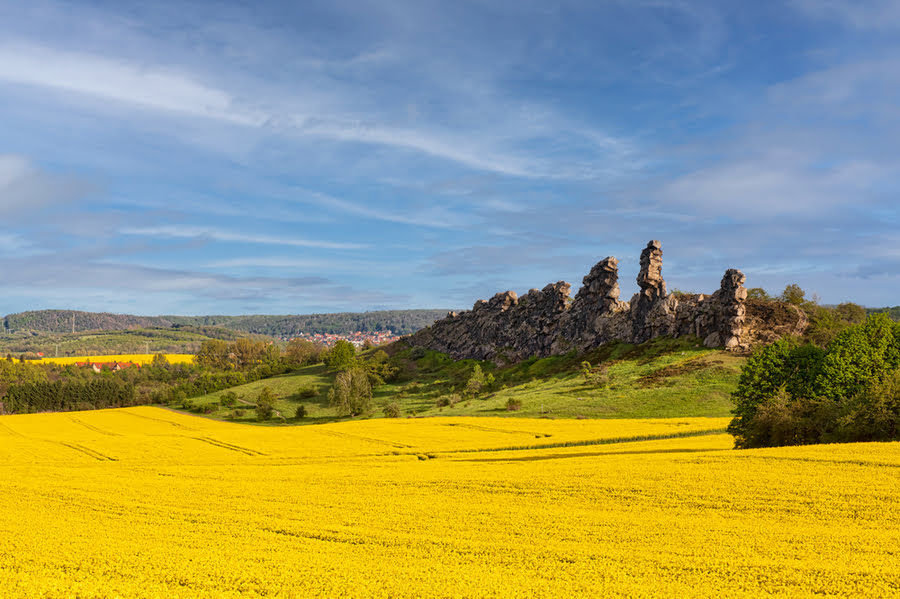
653 289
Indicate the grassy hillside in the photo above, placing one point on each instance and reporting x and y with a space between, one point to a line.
661 378
185 340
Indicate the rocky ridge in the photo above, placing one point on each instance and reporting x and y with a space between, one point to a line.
546 322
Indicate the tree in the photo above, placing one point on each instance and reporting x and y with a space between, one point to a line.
351 393
758 293
247 352
793 294
300 352
159 361
476 382
272 355
850 312
861 356
213 354
791 394
265 404
342 356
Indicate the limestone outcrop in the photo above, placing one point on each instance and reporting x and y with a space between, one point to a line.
546 322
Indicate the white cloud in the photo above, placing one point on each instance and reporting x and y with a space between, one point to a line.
435 217
321 109
859 14
144 85
195 232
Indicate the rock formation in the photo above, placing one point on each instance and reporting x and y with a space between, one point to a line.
545 322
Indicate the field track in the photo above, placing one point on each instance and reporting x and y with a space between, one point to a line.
146 502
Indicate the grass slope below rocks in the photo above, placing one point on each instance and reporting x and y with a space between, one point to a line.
660 379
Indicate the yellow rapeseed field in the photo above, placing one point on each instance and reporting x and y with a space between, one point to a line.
134 358
145 502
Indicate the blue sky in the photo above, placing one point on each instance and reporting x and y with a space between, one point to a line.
234 157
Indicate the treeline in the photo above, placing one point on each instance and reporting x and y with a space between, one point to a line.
401 322
181 340
26 388
894 312
65 396
794 393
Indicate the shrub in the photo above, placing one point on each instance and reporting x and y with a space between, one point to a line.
513 404
265 404
228 399
300 413
447 400
176 396
392 410
188 404
209 408
239 413
308 391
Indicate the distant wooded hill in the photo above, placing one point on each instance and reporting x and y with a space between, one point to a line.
401 322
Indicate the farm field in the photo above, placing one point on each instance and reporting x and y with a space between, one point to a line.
146 502
134 358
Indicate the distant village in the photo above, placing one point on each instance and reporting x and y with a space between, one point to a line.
357 338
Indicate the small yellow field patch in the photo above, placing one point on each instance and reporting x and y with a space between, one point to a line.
146 502
133 358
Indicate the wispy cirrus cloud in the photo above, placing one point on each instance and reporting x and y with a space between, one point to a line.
861 14
144 85
197 232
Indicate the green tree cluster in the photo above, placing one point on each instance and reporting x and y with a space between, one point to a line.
341 356
64 396
351 393
791 393
265 404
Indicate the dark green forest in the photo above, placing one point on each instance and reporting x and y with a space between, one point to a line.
401 322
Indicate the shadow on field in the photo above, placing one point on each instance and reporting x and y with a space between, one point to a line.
587 454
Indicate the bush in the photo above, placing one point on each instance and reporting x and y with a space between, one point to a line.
265 404
448 400
513 404
300 413
308 391
188 404
209 408
228 399
392 410
239 413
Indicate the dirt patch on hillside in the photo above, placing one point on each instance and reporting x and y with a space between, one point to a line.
660 377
